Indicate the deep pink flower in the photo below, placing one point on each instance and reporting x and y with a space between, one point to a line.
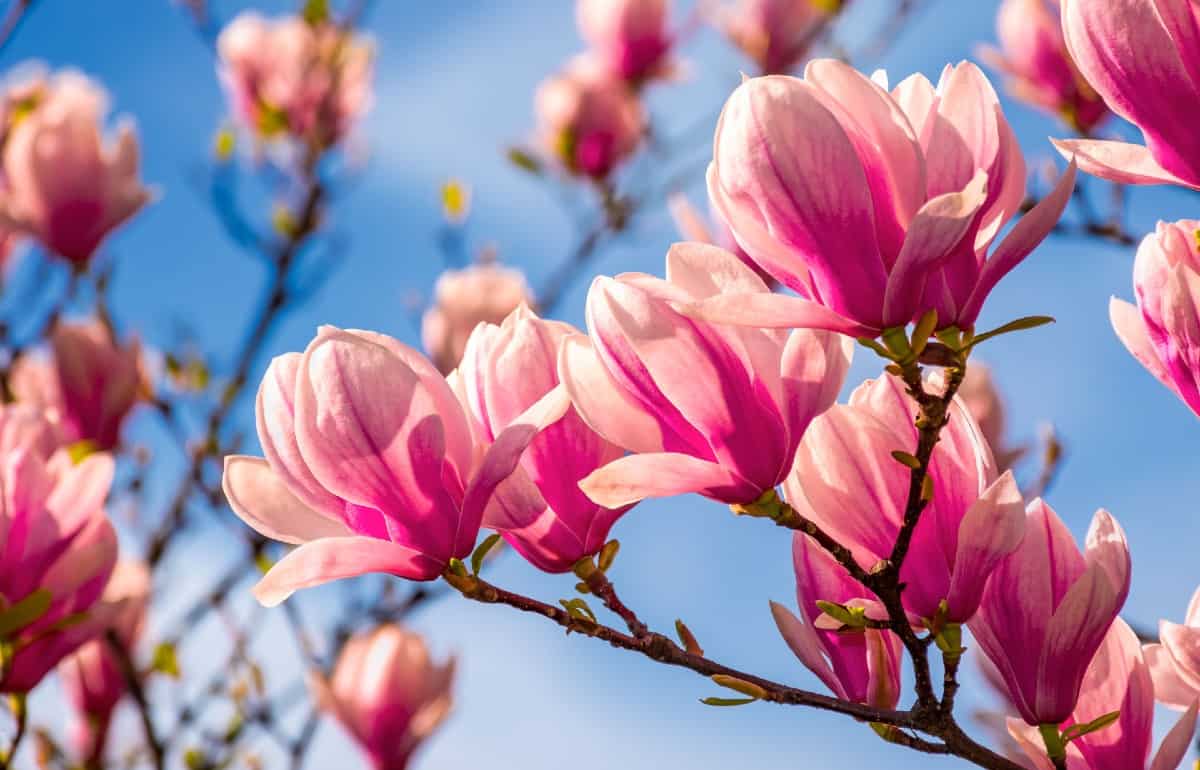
370 465
88 382
92 675
1143 58
1175 661
860 665
1041 72
630 38
63 184
1165 335
54 539
289 77
1117 680
540 509
1046 610
707 408
776 34
387 693
874 207
973 521
463 299
588 121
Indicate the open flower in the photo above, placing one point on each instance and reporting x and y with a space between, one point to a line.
875 207
776 34
1175 661
370 465
706 408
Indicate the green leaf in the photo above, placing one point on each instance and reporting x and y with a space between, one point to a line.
524 160
1028 322
482 551
727 701
25 612
607 554
688 638
165 660
579 609
749 689
316 11
1099 723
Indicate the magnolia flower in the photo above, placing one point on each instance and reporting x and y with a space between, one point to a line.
587 121
290 77
92 676
1047 608
88 383
370 464
630 38
1116 681
974 520
539 509
1175 661
861 665
1143 58
387 693
776 34
1040 70
463 299
1163 331
706 408
59 547
63 185
874 207
693 226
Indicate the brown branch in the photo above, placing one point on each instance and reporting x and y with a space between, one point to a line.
133 683
20 713
12 20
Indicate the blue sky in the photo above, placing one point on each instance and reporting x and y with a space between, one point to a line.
454 88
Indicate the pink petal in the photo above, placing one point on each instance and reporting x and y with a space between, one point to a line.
688 221
773 311
333 558
662 474
1183 645
813 367
1119 162
1170 687
261 499
1029 231
1128 323
703 270
602 405
1175 745
991 529
802 639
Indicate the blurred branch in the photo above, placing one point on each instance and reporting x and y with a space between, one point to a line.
12 20
133 681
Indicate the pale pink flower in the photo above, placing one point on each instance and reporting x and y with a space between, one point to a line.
289 77
540 509
1040 70
387 693
693 226
1047 608
1117 680
64 185
706 408
874 207
56 543
370 464
1143 58
92 675
588 122
974 520
776 34
463 299
1175 661
631 38
88 382
860 665
1163 331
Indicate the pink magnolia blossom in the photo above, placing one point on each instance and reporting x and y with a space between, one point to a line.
630 38
63 185
974 520
1117 680
861 665
92 675
290 77
1047 607
875 207
387 693
370 465
56 543
88 382
1175 661
693 226
1040 70
776 34
587 121
1143 58
540 509
707 408
1163 331
463 299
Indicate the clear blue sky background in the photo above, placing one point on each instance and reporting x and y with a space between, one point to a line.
454 87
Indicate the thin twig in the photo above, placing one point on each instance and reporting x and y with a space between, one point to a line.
133 683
